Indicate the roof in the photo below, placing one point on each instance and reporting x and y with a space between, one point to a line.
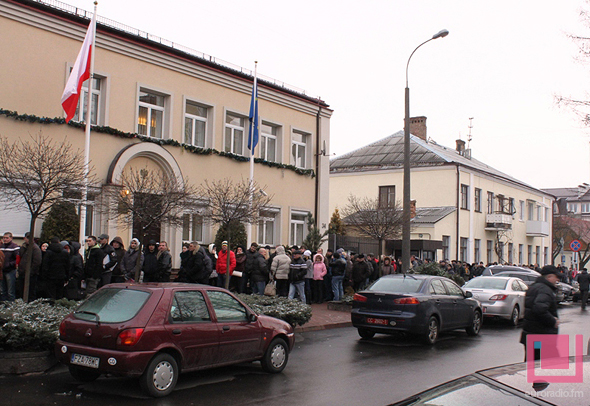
571 194
431 215
388 153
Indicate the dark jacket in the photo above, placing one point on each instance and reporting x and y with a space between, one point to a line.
119 252
93 266
150 265
76 262
251 262
109 251
259 270
129 262
540 312
193 270
241 262
361 270
56 264
338 267
36 260
163 266
584 280
297 270
11 251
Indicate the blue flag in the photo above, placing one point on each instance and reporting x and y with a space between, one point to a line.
253 117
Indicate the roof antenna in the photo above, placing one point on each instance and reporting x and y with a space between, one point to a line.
470 127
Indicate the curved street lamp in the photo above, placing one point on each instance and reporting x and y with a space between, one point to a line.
406 201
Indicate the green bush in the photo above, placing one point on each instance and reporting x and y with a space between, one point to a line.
290 310
32 326
433 268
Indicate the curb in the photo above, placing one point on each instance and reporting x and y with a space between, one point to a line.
305 329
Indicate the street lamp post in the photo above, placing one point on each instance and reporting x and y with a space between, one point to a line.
406 202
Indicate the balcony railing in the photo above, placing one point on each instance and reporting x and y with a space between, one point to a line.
537 228
498 221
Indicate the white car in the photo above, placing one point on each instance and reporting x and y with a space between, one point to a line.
499 296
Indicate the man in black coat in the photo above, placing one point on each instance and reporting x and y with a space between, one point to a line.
93 267
109 260
56 268
540 315
584 282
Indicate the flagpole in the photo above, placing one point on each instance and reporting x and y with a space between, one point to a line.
88 118
251 181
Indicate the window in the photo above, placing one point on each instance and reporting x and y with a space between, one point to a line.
539 213
437 288
150 120
511 207
490 202
520 254
477 200
490 251
530 211
95 100
501 251
546 214
446 245
386 196
465 197
266 228
545 256
234 134
521 210
476 249
268 142
453 289
226 307
189 306
192 227
537 255
297 228
195 124
572 207
510 253
530 254
502 202
299 142
463 250
585 207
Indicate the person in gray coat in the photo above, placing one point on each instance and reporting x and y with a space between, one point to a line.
129 265
280 271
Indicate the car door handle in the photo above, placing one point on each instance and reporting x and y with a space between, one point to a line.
176 332
225 328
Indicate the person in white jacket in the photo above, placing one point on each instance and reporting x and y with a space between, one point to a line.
279 270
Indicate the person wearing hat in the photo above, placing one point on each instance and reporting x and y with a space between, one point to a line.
584 284
110 260
361 270
297 272
36 261
150 262
540 307
221 266
56 267
132 261
119 249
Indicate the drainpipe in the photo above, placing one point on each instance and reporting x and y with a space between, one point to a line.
458 213
317 165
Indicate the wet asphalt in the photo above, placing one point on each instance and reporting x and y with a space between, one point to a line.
326 367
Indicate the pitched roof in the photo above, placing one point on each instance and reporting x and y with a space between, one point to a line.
571 194
426 216
388 153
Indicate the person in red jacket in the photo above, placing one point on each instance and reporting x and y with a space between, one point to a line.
221 266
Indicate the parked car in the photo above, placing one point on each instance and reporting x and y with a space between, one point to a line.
419 304
499 296
505 385
569 291
494 269
528 276
157 330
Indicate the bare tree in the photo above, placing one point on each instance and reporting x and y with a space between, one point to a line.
373 219
567 228
148 198
37 170
230 202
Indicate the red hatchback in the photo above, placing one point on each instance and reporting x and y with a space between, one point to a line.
156 330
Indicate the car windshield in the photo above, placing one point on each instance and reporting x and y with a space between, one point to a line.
487 283
398 285
112 305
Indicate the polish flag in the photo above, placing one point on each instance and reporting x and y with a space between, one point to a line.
80 73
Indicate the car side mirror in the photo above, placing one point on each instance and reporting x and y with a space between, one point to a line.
252 317
468 294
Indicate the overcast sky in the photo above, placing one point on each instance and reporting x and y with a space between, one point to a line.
502 64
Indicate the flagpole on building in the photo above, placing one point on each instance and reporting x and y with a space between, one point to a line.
87 119
252 141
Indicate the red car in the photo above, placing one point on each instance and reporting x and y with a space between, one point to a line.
156 330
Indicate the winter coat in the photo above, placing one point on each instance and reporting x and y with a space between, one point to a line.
76 261
251 260
93 265
36 260
150 265
194 268
221 266
241 262
109 251
280 264
56 264
259 270
361 270
540 306
11 251
309 274
297 270
319 268
338 267
388 268
584 280
163 266
129 262
120 253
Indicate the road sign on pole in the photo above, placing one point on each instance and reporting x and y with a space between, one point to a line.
575 245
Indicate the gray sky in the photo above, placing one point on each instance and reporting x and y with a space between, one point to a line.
502 63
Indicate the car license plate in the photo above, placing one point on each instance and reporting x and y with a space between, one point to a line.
383 322
85 360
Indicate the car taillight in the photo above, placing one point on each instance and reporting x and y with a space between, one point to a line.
406 300
498 297
359 298
62 330
129 337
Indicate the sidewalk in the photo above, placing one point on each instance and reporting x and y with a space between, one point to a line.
323 318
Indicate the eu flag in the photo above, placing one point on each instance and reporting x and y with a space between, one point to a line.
253 117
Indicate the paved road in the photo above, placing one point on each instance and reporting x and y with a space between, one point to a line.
328 367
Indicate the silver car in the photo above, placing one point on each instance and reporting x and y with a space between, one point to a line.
499 296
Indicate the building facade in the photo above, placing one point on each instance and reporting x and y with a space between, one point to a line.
159 105
464 209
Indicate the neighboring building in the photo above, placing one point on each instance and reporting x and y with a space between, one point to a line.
465 209
160 105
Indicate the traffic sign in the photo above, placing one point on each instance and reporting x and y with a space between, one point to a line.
575 245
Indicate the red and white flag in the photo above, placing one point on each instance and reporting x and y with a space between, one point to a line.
80 73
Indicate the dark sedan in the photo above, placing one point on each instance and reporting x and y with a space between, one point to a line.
157 330
418 304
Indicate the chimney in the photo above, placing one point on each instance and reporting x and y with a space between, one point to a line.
418 127
460 146
412 209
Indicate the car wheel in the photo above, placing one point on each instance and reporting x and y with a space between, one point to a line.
276 356
515 317
366 334
475 326
83 374
433 330
159 378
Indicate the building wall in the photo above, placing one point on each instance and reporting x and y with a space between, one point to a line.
44 48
